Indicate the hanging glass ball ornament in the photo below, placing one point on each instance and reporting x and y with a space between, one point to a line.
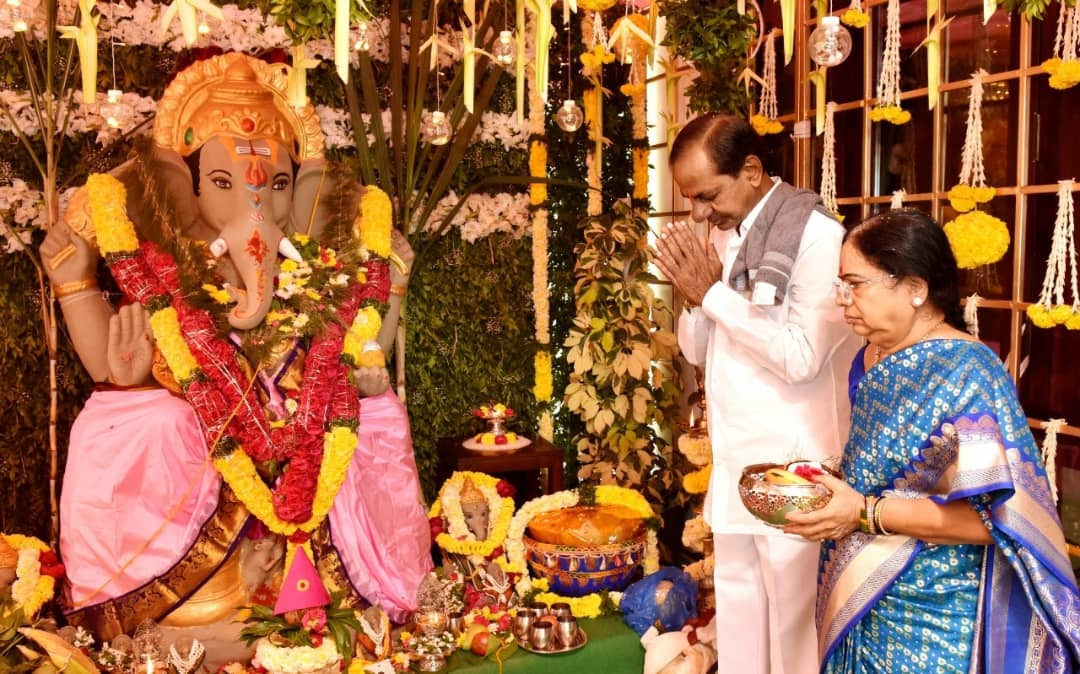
436 128
830 43
569 117
363 42
504 49
112 111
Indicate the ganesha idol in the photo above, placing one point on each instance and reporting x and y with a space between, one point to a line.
242 401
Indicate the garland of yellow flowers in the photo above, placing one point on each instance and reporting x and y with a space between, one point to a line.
31 588
589 605
592 62
538 197
459 539
116 236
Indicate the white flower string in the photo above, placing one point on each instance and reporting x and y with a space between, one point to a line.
767 105
1051 310
1063 67
888 88
1049 453
897 200
828 160
971 314
972 169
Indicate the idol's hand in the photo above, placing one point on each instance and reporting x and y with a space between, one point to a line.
131 346
837 519
402 266
67 257
690 264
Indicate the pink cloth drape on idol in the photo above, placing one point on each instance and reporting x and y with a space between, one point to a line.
139 484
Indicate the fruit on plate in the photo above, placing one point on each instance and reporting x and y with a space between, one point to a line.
784 476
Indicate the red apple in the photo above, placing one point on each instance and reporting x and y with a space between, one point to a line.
500 439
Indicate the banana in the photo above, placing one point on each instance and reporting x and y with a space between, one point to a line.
783 476
65 656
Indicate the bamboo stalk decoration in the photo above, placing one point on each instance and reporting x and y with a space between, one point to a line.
1051 308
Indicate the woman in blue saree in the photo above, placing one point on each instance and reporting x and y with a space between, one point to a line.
942 548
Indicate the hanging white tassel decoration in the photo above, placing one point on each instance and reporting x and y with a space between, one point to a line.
897 200
828 160
1051 309
1049 453
887 107
764 122
971 314
1066 48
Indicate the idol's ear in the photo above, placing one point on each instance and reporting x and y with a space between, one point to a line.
309 212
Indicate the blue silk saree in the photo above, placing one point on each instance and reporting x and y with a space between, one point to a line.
942 420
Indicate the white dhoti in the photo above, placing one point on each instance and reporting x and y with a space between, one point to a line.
766 587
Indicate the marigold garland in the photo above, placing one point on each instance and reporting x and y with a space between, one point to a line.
856 18
144 272
764 126
893 114
31 588
697 482
375 212
458 539
977 238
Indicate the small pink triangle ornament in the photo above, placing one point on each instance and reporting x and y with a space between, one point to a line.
302 588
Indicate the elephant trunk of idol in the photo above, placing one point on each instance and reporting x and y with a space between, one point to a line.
253 245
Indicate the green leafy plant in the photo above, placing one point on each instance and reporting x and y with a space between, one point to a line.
715 38
617 347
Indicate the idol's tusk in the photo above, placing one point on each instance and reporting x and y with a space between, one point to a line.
218 247
287 249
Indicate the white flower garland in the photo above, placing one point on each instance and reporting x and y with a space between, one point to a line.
1051 308
972 169
828 160
27 574
888 87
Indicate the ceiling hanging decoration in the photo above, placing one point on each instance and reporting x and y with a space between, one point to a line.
764 121
828 163
830 43
933 44
191 14
888 107
855 16
1064 66
86 41
977 238
1051 308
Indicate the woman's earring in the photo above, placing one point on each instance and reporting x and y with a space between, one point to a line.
917 301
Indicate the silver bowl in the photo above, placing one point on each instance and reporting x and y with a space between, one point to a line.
771 502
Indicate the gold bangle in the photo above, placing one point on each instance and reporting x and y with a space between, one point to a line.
62 255
398 290
72 287
878 508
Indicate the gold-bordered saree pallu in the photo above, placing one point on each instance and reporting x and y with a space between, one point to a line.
942 420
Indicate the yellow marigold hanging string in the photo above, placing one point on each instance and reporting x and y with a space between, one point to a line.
538 196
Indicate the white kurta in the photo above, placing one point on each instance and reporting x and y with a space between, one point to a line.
776 387
775 376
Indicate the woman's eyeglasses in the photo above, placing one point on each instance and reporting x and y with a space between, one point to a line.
845 289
